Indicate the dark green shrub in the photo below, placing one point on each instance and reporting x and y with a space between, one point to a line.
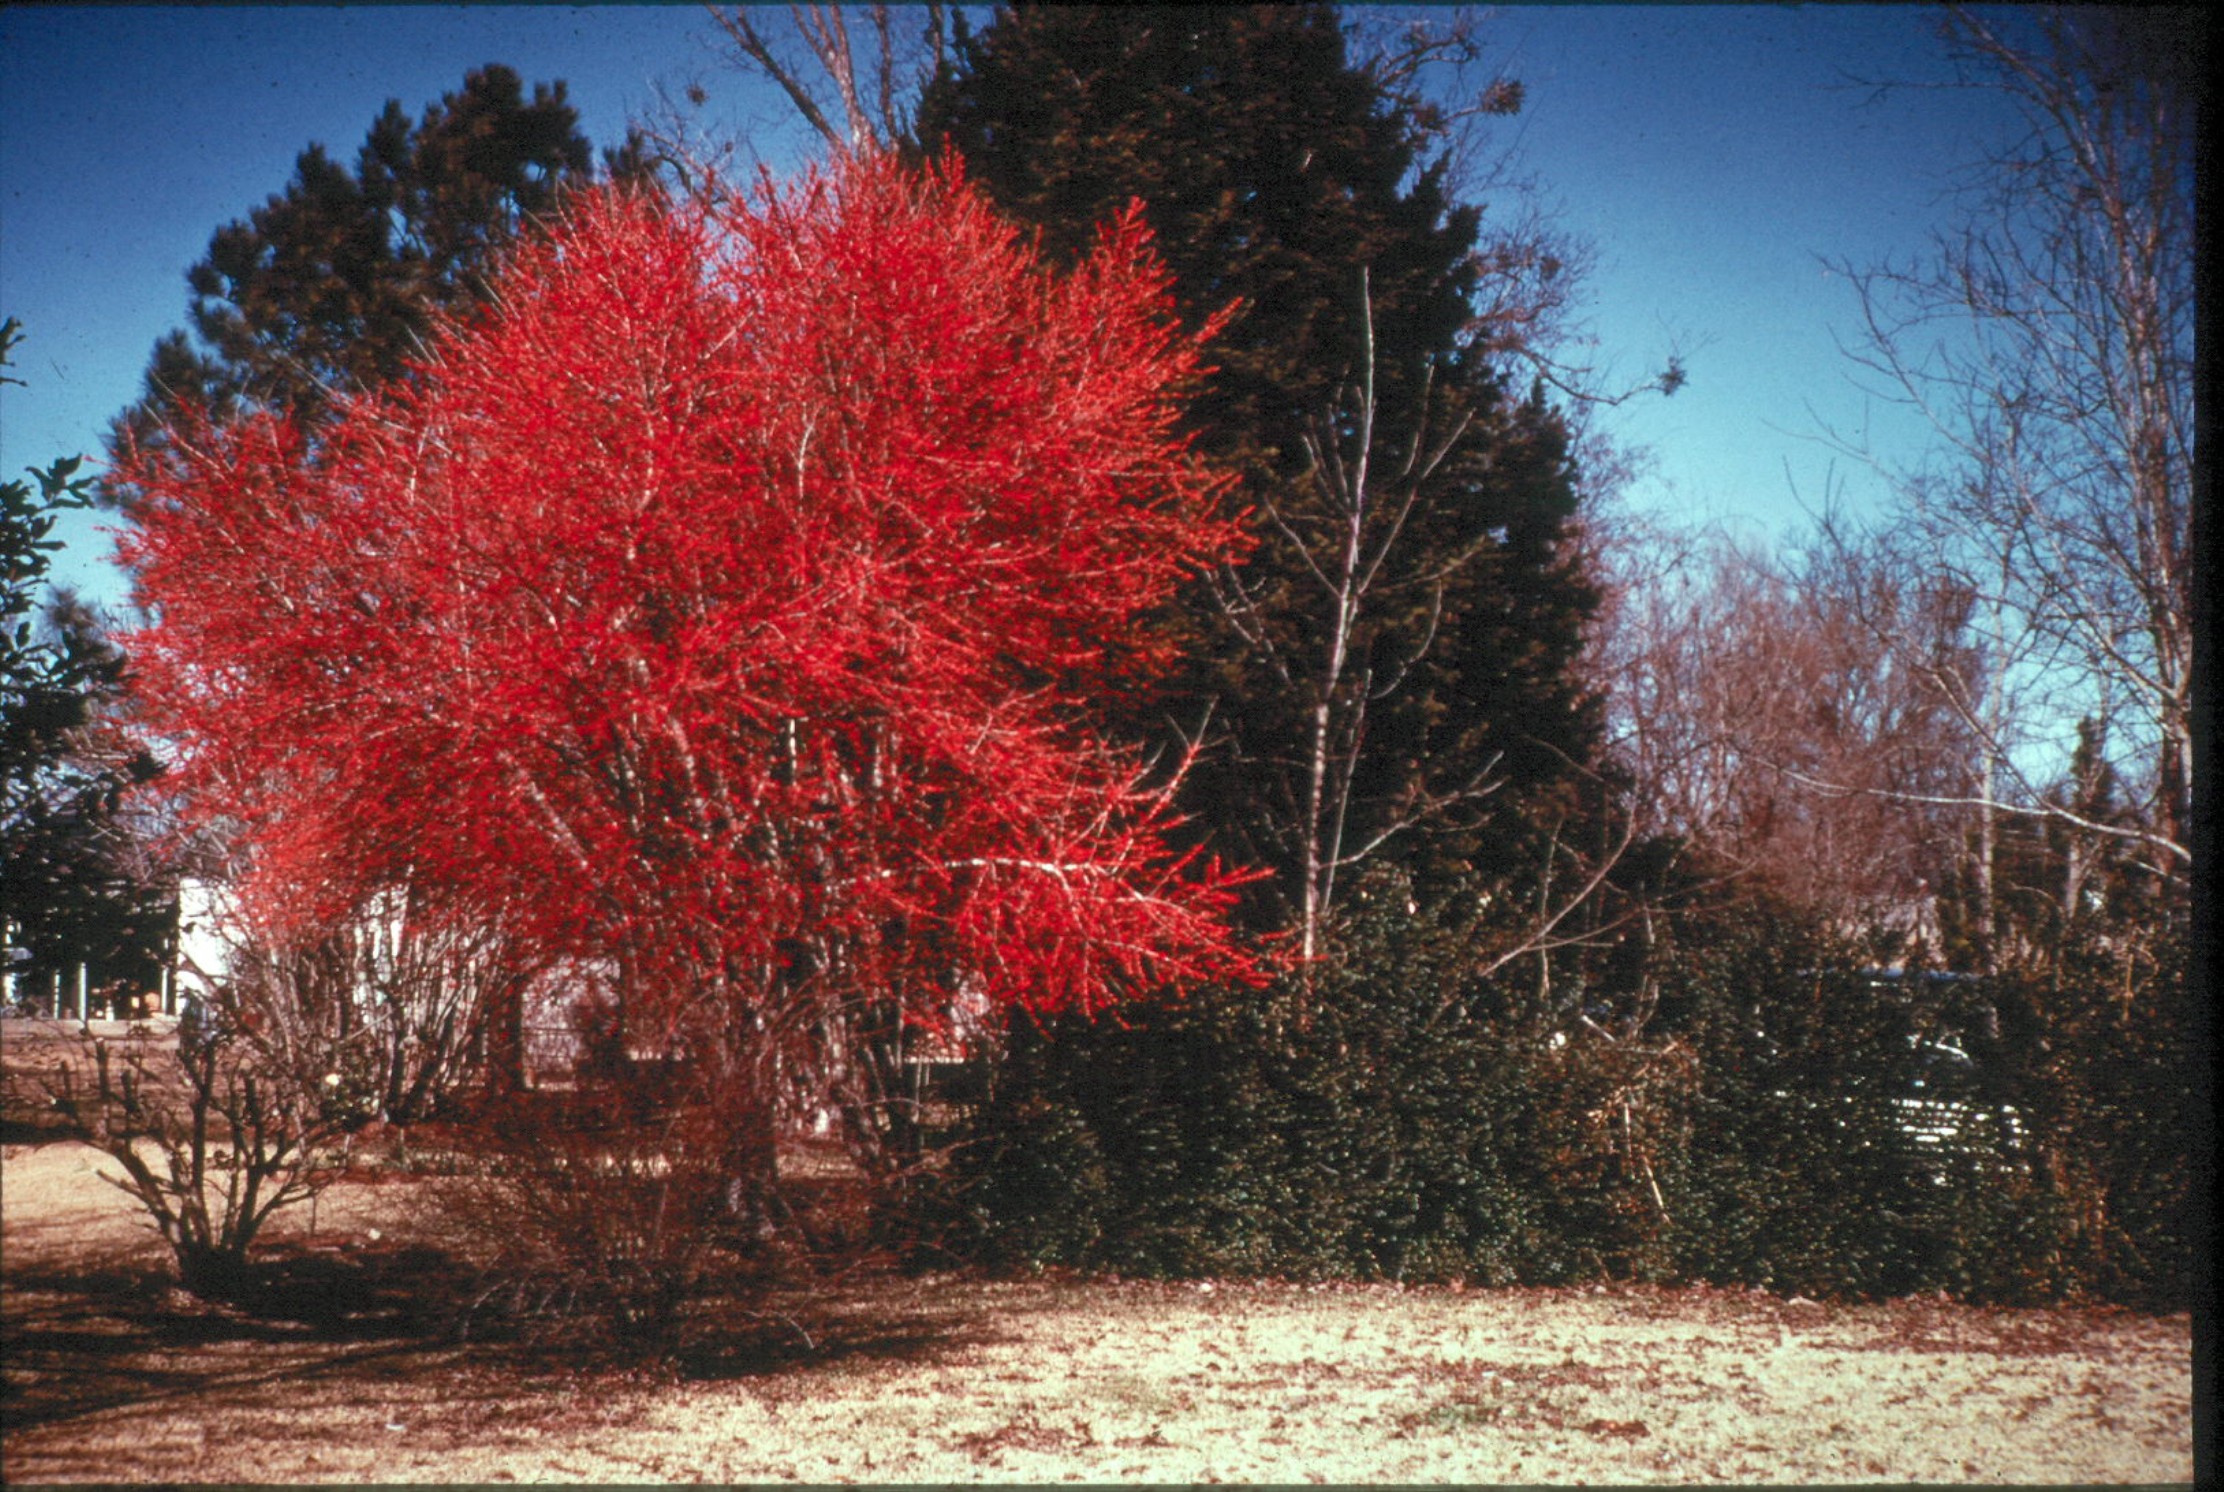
2057 1161
1769 1113
1793 1176
2096 1055
1392 1117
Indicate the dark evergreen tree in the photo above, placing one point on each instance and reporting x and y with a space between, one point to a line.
327 287
82 887
70 891
43 680
1300 196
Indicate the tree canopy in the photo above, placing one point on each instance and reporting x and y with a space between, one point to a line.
2047 341
1361 392
716 606
71 896
331 285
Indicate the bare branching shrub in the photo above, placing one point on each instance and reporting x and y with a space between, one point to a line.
406 1006
609 1205
212 1135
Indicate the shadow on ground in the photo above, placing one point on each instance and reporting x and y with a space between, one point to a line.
87 1341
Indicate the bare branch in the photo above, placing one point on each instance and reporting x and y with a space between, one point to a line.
2048 345
873 99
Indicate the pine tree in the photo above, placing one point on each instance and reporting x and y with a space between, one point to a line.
1285 182
328 287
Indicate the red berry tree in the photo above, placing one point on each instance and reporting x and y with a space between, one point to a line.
718 610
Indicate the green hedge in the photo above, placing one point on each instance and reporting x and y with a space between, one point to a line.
1395 1120
1742 1123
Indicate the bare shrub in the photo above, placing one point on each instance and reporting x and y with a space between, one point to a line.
213 1137
408 1006
608 1206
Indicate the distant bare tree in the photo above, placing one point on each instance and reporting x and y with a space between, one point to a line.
855 102
2048 344
1771 713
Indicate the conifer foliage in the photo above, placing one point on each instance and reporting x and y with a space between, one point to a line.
73 892
715 609
1408 624
330 284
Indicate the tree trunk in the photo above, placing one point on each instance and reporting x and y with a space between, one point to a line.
505 1038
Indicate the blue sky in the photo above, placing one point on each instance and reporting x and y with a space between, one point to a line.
1713 155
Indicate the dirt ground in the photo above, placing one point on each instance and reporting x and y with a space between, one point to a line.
113 1376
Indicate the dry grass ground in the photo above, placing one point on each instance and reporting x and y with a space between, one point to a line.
111 1376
